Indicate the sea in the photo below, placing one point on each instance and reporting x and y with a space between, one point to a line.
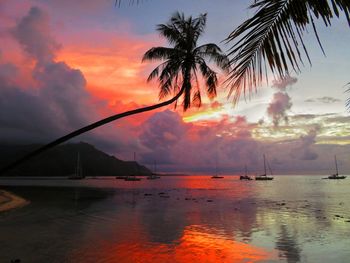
177 219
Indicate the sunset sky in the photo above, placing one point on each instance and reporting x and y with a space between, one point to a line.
65 64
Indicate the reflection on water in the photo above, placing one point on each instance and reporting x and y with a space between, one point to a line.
196 244
179 219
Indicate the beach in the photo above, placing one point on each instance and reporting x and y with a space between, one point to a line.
10 201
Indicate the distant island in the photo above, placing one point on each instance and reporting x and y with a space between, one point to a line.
61 161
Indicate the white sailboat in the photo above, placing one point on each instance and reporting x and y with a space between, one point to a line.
336 175
78 170
264 177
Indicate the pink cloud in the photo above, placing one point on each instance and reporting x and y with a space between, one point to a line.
33 33
278 107
282 83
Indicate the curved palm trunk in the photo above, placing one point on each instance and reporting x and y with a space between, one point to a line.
86 129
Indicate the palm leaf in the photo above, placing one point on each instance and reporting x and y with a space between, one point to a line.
273 38
347 101
160 53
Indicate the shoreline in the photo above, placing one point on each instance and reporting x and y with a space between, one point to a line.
9 201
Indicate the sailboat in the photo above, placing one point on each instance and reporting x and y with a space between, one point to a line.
78 171
336 175
216 176
264 177
245 176
133 177
154 174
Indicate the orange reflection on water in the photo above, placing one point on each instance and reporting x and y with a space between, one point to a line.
198 244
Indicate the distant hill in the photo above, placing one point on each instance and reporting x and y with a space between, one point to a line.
61 161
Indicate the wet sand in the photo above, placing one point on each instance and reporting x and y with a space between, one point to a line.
10 201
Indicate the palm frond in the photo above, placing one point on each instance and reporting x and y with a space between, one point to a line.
155 72
347 101
160 53
131 2
170 32
210 78
197 99
273 38
199 25
213 53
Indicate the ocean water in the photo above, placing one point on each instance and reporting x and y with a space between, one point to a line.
178 219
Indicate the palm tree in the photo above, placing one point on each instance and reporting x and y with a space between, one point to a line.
273 38
177 74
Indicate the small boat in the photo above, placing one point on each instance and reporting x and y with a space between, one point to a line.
133 176
78 175
245 176
264 177
336 176
216 176
154 175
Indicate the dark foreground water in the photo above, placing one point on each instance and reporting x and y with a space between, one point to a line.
178 219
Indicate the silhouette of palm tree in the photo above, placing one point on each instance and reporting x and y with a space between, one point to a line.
176 74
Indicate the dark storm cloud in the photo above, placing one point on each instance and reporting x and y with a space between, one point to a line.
56 102
59 101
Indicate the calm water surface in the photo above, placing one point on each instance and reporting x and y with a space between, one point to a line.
178 219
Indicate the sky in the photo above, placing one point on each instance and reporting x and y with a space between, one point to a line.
65 64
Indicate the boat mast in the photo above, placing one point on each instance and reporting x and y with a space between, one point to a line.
336 165
136 166
78 168
245 170
264 165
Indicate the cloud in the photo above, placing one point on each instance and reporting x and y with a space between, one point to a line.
187 147
112 65
33 33
326 100
284 82
281 101
57 100
278 107
160 133
303 149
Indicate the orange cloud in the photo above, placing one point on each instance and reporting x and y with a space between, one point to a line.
113 68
